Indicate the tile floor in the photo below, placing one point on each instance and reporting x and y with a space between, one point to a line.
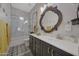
19 50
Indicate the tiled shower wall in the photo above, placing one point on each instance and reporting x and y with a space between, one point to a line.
16 13
19 36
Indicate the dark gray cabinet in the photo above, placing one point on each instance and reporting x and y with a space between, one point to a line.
46 49
34 47
31 43
59 52
41 48
38 48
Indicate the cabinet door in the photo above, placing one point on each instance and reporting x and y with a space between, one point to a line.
46 49
34 46
59 52
38 48
30 42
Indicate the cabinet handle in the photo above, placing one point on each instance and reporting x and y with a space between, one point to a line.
52 52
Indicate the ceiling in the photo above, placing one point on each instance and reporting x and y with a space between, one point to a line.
23 6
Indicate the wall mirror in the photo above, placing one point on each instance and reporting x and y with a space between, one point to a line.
50 19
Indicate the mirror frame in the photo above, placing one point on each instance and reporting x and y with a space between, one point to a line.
55 10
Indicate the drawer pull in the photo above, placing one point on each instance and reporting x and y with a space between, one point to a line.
52 52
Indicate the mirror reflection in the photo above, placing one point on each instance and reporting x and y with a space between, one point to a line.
50 19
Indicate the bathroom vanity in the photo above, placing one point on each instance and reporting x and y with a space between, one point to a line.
50 46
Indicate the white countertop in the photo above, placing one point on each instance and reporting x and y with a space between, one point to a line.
67 46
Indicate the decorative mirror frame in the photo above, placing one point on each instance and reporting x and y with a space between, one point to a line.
55 10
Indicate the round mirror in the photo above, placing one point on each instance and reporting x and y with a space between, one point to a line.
50 19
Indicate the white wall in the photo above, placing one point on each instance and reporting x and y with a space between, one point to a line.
32 16
69 13
5 15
